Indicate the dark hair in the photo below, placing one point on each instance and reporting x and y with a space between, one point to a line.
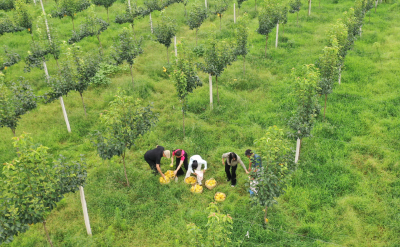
232 155
195 164
178 152
248 152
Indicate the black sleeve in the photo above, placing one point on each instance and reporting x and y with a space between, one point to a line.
160 152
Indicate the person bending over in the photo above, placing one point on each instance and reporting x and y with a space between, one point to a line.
230 163
195 167
153 158
181 158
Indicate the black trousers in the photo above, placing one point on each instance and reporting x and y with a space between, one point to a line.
152 165
185 164
231 172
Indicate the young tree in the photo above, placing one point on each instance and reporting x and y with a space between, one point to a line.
295 6
278 164
70 8
15 102
197 16
305 92
124 122
327 64
93 26
7 26
131 12
266 21
32 185
126 49
216 58
6 5
165 31
339 30
241 43
151 5
240 2
185 78
284 18
219 8
106 3
21 16
281 11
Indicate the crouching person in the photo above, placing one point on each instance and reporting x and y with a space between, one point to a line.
153 158
195 163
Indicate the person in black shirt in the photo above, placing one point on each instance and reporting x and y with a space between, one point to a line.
153 158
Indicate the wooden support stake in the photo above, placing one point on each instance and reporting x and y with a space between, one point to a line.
296 159
85 212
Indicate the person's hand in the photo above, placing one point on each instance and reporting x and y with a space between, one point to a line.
175 172
247 172
164 176
204 170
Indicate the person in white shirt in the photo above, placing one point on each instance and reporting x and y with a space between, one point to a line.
230 163
194 167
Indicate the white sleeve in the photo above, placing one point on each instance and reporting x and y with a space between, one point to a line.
190 170
205 164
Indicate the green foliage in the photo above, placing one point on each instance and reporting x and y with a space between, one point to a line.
239 3
126 48
197 15
305 94
32 185
268 19
7 26
165 31
151 5
12 58
93 26
21 16
132 11
328 67
295 6
339 30
106 3
241 40
219 229
6 5
278 164
219 8
217 57
119 223
69 8
124 122
353 27
101 78
15 102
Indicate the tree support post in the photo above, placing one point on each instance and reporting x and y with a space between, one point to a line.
211 95
234 13
309 7
296 159
176 50
85 211
277 35
151 24
65 114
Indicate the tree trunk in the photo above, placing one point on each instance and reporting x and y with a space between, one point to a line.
216 82
58 66
185 10
340 74
133 31
266 43
183 118
265 215
309 7
283 29
196 35
176 50
167 55
126 176
277 35
101 47
130 67
326 96
47 234
65 114
13 131
360 30
234 13
73 25
211 94
244 65
151 24
108 19
83 103
220 20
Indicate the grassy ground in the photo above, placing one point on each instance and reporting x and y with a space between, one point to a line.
345 192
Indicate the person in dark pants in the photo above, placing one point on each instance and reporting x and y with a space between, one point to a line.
153 158
230 163
181 158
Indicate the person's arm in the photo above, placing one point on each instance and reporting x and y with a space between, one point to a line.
241 162
205 165
179 167
159 171
172 160
224 156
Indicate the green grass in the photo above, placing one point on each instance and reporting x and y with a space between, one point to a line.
345 192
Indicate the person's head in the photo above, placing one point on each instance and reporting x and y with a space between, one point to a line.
178 153
195 164
248 153
167 154
232 156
